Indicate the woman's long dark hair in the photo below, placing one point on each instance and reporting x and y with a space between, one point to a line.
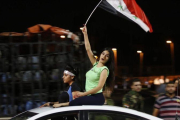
111 66
70 68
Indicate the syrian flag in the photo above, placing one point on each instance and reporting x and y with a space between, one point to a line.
127 9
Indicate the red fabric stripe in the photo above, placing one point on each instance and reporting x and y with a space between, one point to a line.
168 102
134 8
169 111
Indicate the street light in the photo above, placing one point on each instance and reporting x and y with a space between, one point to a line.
114 49
141 62
62 36
172 53
139 51
168 41
115 59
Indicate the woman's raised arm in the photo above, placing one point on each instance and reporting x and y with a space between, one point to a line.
88 46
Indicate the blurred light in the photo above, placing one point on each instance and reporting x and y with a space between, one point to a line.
96 56
146 82
168 41
81 28
151 81
161 81
176 82
114 49
62 36
115 86
166 80
139 51
94 52
156 81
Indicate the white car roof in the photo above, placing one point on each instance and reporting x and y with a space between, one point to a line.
41 110
49 110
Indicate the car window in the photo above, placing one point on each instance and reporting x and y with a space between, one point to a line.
73 115
109 115
24 116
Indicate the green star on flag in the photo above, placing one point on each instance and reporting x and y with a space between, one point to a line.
120 6
135 17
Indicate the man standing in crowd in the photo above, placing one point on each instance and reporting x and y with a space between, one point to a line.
167 105
133 99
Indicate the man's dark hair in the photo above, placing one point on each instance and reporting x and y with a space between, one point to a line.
131 81
70 68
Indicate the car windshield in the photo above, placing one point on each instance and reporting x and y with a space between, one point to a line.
24 116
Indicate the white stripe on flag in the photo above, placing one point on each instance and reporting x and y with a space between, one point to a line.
117 4
124 7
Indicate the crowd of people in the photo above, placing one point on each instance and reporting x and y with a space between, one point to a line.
100 76
166 106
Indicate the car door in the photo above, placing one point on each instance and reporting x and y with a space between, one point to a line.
111 115
68 115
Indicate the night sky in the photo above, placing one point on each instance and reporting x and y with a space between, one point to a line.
104 29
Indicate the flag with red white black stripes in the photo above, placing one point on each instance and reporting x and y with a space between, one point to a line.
127 9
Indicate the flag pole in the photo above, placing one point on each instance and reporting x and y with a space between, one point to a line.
92 12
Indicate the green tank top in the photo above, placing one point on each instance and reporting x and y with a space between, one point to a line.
92 77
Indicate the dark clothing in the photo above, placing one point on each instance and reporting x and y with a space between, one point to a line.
167 106
133 100
95 99
64 97
74 87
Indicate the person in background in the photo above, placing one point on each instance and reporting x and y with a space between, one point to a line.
167 104
133 99
69 77
107 95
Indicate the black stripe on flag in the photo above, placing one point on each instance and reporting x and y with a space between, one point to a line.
109 8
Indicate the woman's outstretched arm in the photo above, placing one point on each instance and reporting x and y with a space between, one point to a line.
88 46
